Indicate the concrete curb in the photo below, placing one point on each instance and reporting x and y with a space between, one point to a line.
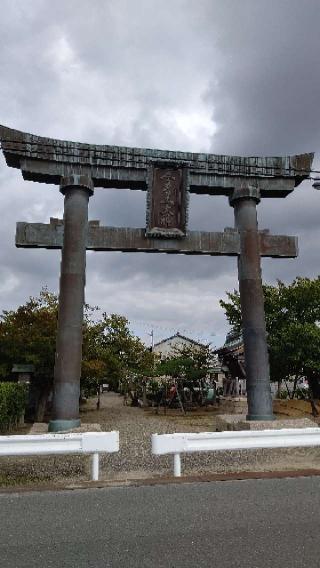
152 481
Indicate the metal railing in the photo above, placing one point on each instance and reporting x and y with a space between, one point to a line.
177 444
93 443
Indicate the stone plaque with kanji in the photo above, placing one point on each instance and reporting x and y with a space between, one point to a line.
167 201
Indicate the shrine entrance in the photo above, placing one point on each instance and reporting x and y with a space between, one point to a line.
168 177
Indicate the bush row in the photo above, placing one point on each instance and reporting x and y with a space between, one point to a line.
13 398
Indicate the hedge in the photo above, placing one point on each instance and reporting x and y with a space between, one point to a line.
13 399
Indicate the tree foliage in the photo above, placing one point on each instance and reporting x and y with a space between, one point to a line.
293 326
110 350
12 404
27 336
189 362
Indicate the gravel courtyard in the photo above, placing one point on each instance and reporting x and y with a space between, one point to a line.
135 461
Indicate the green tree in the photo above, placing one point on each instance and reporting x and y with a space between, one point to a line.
293 326
110 351
113 353
190 362
27 336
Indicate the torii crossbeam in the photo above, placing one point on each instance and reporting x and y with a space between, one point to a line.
168 177
226 243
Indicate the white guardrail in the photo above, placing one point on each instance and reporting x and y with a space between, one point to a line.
93 443
177 444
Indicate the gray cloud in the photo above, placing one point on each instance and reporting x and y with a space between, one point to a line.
265 94
227 77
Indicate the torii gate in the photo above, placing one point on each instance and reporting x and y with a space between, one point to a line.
168 177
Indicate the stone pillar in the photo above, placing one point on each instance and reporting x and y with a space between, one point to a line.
244 200
65 416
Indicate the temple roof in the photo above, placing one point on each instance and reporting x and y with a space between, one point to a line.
182 337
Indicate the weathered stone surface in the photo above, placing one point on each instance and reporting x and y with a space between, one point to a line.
84 428
167 200
226 422
276 424
42 428
39 428
233 406
42 235
47 159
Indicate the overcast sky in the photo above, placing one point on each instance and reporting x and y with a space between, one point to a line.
222 76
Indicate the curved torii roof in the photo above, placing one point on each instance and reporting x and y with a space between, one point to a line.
47 159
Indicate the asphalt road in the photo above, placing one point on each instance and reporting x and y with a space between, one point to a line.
251 524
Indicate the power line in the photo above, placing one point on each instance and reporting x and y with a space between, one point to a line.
152 325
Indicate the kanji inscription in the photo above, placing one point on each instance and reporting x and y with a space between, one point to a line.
166 216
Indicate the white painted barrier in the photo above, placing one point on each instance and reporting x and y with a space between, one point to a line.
177 444
93 443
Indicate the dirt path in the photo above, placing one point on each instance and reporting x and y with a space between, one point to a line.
136 426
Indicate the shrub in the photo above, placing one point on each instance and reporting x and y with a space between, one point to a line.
13 398
284 394
302 394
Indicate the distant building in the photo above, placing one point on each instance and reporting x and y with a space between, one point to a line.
217 373
168 347
231 356
22 373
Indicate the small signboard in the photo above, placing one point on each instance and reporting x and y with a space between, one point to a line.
167 200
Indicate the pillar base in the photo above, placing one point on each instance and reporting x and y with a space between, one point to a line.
260 417
63 425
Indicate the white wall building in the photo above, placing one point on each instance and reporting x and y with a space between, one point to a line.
168 347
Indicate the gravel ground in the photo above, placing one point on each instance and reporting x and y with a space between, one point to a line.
135 461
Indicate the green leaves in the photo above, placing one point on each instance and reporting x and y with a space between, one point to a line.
190 363
13 398
27 335
110 351
292 319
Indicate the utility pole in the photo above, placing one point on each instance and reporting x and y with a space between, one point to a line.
144 387
152 340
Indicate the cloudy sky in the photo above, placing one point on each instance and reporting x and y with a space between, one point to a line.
221 76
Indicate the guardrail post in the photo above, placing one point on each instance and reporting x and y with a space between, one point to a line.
177 465
95 467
